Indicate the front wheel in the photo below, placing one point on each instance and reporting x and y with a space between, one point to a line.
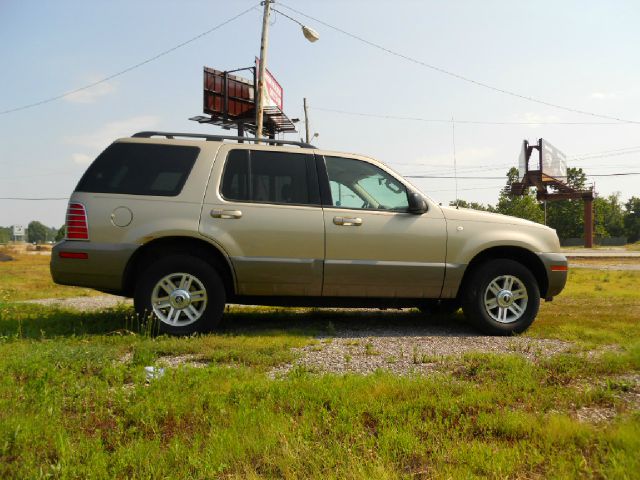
502 297
185 294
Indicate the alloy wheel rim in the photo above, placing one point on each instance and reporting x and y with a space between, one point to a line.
505 299
179 299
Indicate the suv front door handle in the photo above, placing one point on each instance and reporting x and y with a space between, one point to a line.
226 213
347 221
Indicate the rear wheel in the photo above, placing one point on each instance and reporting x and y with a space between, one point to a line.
501 297
184 294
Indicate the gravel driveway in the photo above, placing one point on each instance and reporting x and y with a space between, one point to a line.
410 350
84 303
400 349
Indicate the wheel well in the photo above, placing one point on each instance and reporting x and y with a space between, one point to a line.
521 255
155 249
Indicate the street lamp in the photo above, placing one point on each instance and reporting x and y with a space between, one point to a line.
309 33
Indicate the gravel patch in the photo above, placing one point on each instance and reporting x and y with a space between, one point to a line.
610 267
174 361
406 351
628 393
85 303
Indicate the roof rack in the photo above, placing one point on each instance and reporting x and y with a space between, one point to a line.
220 138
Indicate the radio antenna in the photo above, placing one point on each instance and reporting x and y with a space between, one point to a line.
455 163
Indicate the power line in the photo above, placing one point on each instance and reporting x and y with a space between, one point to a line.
448 121
34 198
593 157
622 174
582 155
38 175
128 69
466 189
455 75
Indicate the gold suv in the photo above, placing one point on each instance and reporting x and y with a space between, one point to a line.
186 223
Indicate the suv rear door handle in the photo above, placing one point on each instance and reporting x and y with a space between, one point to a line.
226 213
347 221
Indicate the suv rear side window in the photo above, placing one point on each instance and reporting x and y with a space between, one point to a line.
270 177
140 169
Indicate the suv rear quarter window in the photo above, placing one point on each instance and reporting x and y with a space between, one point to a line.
140 169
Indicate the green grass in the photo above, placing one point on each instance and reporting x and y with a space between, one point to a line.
74 401
633 246
597 308
27 277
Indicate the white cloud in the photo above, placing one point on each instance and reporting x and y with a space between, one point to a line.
603 95
81 158
106 134
90 95
94 142
536 118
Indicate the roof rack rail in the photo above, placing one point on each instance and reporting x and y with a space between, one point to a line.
219 138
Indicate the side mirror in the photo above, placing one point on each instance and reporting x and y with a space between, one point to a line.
417 203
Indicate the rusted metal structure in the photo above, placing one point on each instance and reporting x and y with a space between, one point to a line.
229 102
549 177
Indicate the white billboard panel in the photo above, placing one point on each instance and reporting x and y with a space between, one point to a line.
18 231
554 162
522 161
273 92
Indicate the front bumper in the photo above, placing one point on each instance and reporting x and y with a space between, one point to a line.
556 266
102 269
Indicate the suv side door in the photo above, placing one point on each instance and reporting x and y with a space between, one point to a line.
374 247
262 206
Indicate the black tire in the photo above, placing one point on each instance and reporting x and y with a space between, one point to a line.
501 317
445 306
198 276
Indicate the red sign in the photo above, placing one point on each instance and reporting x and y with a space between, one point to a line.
273 93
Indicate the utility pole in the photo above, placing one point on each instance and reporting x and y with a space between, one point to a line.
588 223
263 65
306 120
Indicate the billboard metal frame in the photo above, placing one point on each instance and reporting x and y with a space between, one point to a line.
549 188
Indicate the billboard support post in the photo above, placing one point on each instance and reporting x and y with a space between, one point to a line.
306 119
588 223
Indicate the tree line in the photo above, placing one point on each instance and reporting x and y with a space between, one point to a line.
36 232
612 216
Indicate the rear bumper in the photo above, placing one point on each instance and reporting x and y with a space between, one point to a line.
102 269
556 267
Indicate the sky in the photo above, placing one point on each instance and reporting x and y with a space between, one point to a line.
582 55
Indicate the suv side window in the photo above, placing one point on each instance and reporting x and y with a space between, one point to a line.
270 177
359 185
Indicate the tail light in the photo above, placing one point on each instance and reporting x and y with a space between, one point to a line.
77 228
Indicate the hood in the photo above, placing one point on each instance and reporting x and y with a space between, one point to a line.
470 215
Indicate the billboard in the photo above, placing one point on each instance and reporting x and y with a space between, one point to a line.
239 102
552 161
18 231
273 92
